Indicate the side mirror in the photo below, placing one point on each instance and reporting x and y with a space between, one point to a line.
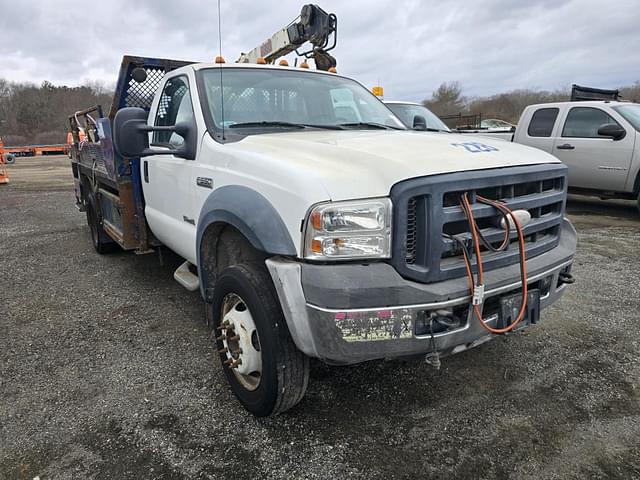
612 130
131 135
419 123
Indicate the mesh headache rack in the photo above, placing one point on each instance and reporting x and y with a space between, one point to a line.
428 212
139 80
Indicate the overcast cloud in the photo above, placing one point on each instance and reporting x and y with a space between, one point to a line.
408 46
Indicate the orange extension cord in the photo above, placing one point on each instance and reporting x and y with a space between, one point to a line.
466 208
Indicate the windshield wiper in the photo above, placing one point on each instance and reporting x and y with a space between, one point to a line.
283 124
266 124
370 125
328 127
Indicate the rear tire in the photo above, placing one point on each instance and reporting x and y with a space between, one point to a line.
102 243
638 202
278 378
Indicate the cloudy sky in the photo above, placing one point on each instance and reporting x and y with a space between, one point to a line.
407 46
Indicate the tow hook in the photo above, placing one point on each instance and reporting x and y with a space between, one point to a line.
565 277
445 318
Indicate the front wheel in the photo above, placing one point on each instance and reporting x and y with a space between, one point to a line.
638 202
265 370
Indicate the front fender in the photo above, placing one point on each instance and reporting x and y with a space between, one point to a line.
251 214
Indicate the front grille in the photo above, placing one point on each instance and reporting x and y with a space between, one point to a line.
428 212
410 239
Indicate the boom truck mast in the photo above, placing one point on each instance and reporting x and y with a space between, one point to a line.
314 25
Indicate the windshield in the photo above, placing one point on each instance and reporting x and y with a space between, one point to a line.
631 114
258 100
407 111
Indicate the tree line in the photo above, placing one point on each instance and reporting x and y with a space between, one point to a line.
38 114
449 99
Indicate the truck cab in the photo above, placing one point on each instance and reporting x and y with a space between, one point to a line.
598 140
311 235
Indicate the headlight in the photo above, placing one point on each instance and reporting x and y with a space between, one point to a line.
347 230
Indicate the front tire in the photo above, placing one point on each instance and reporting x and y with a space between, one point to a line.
265 370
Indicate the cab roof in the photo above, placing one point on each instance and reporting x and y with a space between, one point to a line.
400 102
203 66
582 103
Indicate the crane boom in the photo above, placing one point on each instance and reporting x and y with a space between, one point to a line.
314 25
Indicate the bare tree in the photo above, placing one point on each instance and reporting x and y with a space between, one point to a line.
508 106
631 93
447 99
38 114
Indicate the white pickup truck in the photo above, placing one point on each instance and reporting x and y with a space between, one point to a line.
598 140
310 235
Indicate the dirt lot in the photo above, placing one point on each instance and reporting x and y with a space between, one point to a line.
106 371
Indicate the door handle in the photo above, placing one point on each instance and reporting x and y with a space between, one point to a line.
145 167
566 146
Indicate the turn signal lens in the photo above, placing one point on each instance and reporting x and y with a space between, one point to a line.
316 219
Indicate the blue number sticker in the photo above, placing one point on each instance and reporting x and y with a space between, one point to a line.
475 147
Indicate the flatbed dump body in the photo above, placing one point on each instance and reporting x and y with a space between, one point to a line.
111 181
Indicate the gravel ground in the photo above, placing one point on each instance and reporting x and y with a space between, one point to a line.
106 371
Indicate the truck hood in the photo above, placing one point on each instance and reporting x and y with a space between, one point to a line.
360 164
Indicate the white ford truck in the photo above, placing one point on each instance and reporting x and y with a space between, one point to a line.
310 235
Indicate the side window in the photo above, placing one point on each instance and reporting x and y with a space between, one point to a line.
174 107
542 122
583 122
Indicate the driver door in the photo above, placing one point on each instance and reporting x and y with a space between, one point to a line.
168 181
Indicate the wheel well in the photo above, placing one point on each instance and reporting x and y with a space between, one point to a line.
223 245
